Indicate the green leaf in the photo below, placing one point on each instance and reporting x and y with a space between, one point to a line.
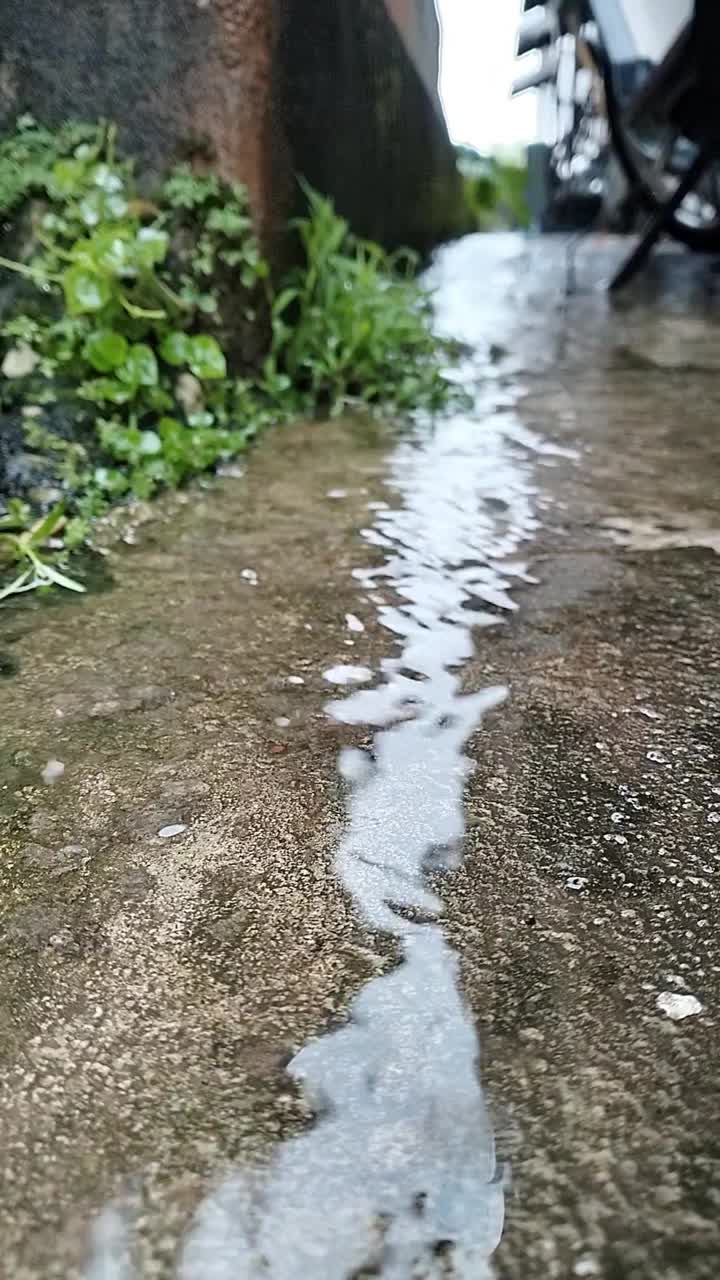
161 471
207 303
141 313
206 358
24 582
105 350
51 574
229 221
283 301
101 389
186 190
45 528
111 480
151 246
142 484
100 206
106 178
91 208
17 516
176 348
116 206
150 444
120 440
109 248
158 398
66 178
75 533
140 368
85 290
171 432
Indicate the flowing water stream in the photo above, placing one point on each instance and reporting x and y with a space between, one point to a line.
397 1176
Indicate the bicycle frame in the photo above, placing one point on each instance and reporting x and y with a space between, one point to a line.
632 32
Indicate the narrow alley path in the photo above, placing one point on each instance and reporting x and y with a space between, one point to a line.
393 756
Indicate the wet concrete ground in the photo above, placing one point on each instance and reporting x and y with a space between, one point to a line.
167 998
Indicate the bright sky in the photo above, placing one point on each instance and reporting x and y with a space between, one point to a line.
478 65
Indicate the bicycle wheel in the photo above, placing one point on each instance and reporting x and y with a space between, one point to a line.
654 165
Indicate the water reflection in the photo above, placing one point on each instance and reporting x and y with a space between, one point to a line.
398 1170
397 1176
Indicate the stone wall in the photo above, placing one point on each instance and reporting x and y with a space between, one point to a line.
419 27
183 78
337 90
361 120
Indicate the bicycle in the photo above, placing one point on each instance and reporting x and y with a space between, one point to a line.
652 67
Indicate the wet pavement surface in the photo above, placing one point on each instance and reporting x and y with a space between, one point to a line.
370 927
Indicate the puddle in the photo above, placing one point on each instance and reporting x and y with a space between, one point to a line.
397 1176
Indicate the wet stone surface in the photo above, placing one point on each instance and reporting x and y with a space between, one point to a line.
255 895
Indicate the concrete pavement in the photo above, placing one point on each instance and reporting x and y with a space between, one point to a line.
228 870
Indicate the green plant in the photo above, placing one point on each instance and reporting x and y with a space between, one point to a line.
495 189
118 287
23 540
512 180
119 313
353 324
126 308
28 155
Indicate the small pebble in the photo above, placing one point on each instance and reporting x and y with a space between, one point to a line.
250 576
189 391
295 680
336 493
586 1266
576 883
19 361
676 1006
353 623
53 772
348 675
282 722
175 829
